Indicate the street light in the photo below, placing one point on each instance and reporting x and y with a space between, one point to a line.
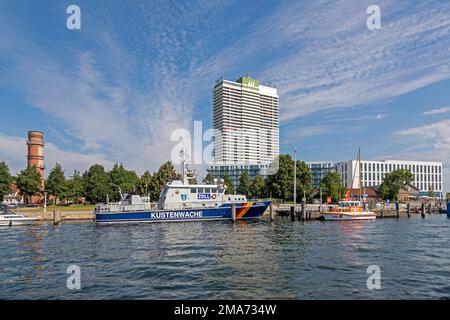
295 179
45 202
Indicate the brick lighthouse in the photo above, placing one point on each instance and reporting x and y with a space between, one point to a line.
35 157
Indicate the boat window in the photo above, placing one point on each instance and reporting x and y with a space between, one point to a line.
193 190
220 190
201 190
207 190
214 190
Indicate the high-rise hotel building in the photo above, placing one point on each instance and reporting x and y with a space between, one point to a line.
246 124
428 176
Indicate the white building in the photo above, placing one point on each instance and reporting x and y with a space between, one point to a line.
246 124
427 175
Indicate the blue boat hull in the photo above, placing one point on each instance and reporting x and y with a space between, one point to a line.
248 210
448 209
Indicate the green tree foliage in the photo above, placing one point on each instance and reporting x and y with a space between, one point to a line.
332 187
97 184
229 184
448 196
56 183
75 187
304 181
148 186
281 183
258 187
5 180
126 180
244 184
393 182
29 182
209 179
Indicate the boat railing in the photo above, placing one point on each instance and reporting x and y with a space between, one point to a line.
118 207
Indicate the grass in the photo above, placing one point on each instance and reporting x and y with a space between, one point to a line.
78 207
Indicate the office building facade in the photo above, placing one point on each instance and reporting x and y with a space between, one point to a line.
319 169
428 176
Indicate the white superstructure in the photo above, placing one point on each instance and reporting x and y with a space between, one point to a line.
428 176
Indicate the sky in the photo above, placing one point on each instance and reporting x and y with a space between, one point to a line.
115 90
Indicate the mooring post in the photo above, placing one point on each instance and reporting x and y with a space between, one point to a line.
408 209
303 218
233 212
292 213
423 210
429 208
382 210
397 208
271 213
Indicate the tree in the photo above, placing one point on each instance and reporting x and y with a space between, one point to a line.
393 182
5 180
229 184
244 184
209 179
332 187
304 180
281 183
124 179
147 185
448 196
75 187
258 187
29 182
97 184
56 183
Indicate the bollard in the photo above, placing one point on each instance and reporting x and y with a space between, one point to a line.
423 210
408 209
56 217
271 213
303 218
292 213
233 212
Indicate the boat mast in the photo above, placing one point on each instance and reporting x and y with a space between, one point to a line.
360 172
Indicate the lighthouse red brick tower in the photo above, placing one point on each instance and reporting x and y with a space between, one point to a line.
35 156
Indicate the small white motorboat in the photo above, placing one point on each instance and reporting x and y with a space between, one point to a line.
9 219
348 210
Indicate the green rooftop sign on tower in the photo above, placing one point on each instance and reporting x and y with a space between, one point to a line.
249 82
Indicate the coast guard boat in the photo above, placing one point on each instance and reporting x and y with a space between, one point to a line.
181 201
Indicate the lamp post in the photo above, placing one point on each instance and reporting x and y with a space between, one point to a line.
45 202
295 179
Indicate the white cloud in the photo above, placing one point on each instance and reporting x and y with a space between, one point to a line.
14 151
436 111
430 142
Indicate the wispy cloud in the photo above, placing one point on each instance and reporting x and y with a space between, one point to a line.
14 150
436 111
429 142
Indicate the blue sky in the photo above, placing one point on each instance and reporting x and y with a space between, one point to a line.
137 70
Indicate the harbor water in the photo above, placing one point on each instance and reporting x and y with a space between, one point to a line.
224 260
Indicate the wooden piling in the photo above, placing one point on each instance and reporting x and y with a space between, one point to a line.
271 213
303 218
233 212
292 213
429 208
397 208
408 209
423 210
56 217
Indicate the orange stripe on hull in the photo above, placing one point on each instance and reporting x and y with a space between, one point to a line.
244 210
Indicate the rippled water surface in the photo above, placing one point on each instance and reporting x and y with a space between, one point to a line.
221 260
